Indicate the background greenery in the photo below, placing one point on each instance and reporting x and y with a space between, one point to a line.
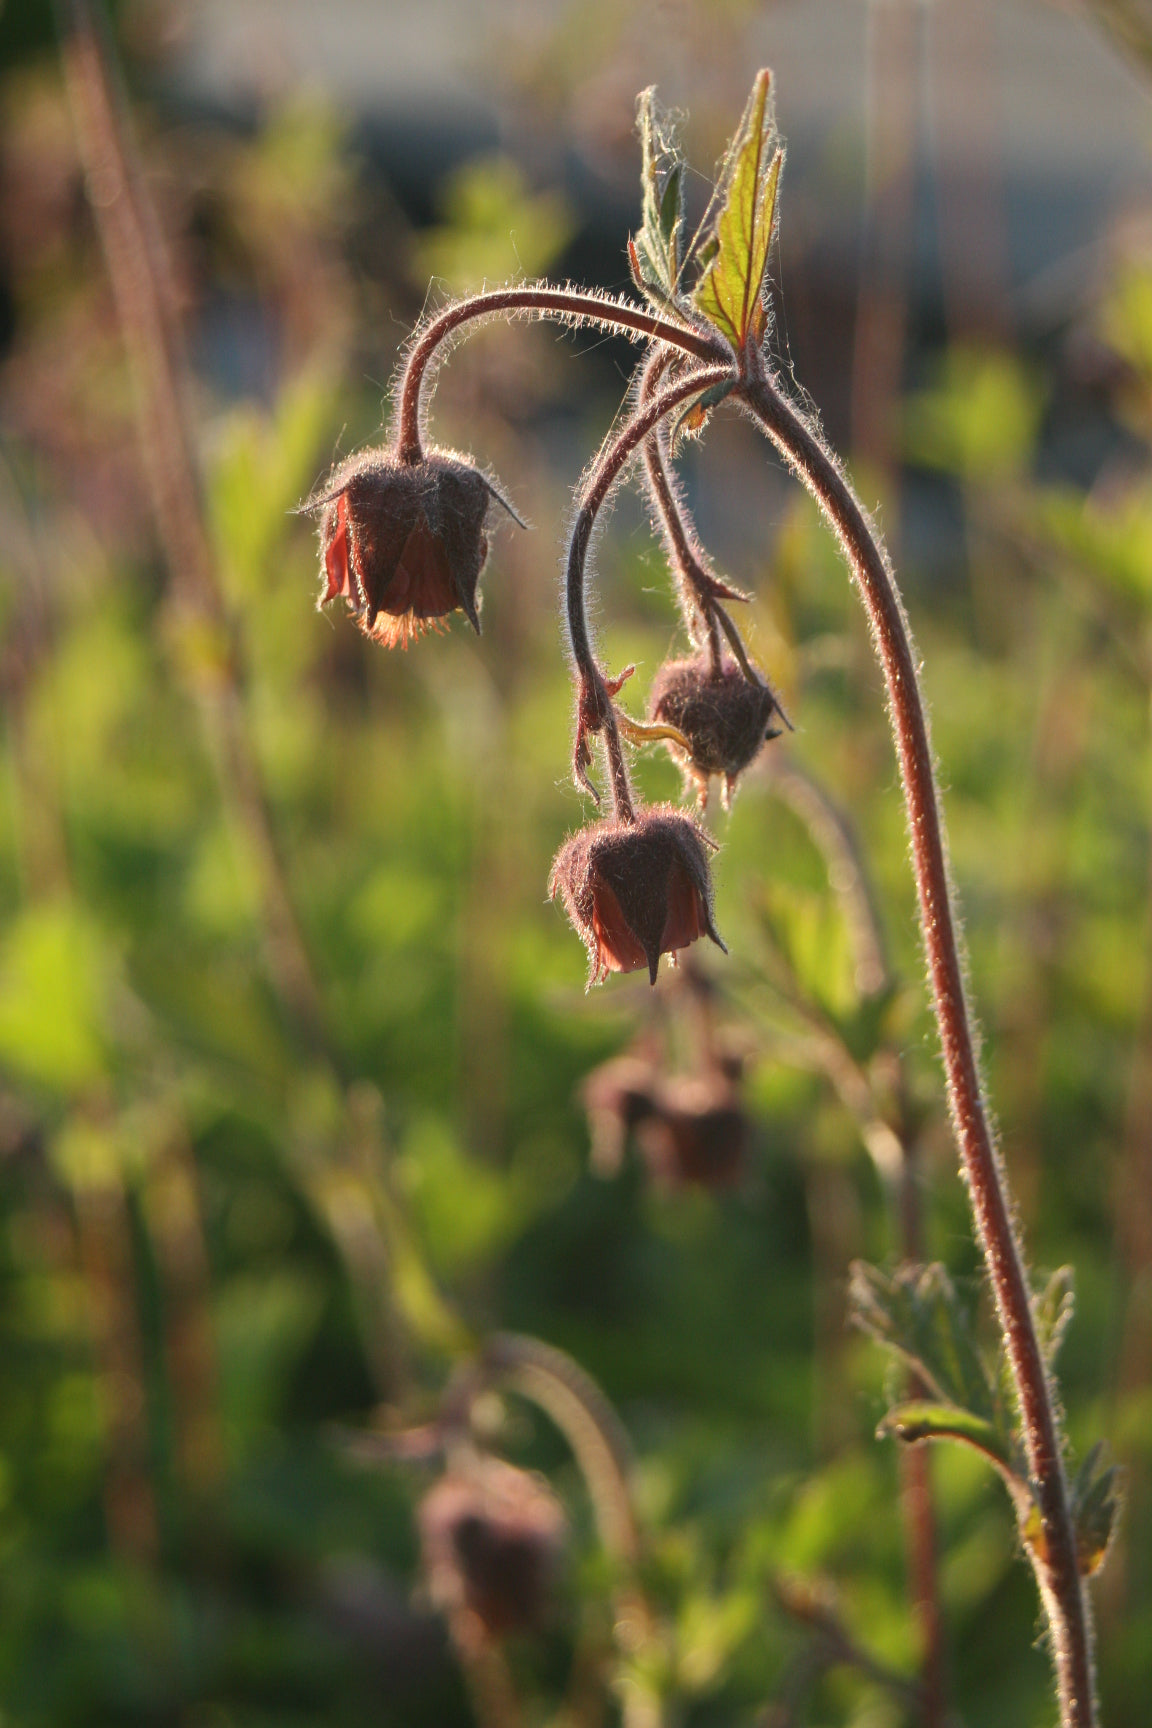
223 1239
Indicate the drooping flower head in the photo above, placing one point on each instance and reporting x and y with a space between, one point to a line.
690 1128
695 1134
404 543
492 1538
636 890
725 718
617 1096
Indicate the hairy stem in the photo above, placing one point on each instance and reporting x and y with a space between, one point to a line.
683 551
573 1401
568 306
595 703
1057 1572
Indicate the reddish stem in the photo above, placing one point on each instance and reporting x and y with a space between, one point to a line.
569 306
684 553
593 698
1057 1572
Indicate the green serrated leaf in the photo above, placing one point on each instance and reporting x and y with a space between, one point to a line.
657 245
1096 1501
1053 1308
917 1312
1096 1497
729 292
920 1420
1053 1304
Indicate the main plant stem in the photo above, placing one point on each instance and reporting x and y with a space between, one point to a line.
1056 1568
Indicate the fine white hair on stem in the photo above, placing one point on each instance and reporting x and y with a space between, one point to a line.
568 305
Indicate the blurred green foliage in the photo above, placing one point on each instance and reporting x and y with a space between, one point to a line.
223 1240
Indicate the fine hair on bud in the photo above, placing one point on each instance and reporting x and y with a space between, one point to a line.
403 544
724 717
636 890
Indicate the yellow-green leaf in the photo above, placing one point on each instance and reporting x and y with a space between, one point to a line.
920 1419
729 292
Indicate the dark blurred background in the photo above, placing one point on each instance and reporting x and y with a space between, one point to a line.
292 1047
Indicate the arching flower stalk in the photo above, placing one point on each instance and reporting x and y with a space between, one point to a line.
724 710
1055 1563
556 1385
708 346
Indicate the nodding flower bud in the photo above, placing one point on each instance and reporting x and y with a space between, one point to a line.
492 1538
696 1133
404 543
636 890
617 1096
725 718
690 1128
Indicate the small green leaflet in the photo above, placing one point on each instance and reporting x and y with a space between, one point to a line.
1053 1307
729 292
654 253
919 1419
917 1312
1096 1497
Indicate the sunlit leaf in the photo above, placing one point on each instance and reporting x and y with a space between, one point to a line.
655 252
980 421
921 1420
1111 543
809 941
729 293
917 1313
494 226
53 978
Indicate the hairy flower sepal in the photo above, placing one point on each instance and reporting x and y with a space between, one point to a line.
722 719
404 543
594 710
636 890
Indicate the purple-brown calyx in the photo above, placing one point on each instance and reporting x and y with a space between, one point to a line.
404 544
492 1538
635 890
722 715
